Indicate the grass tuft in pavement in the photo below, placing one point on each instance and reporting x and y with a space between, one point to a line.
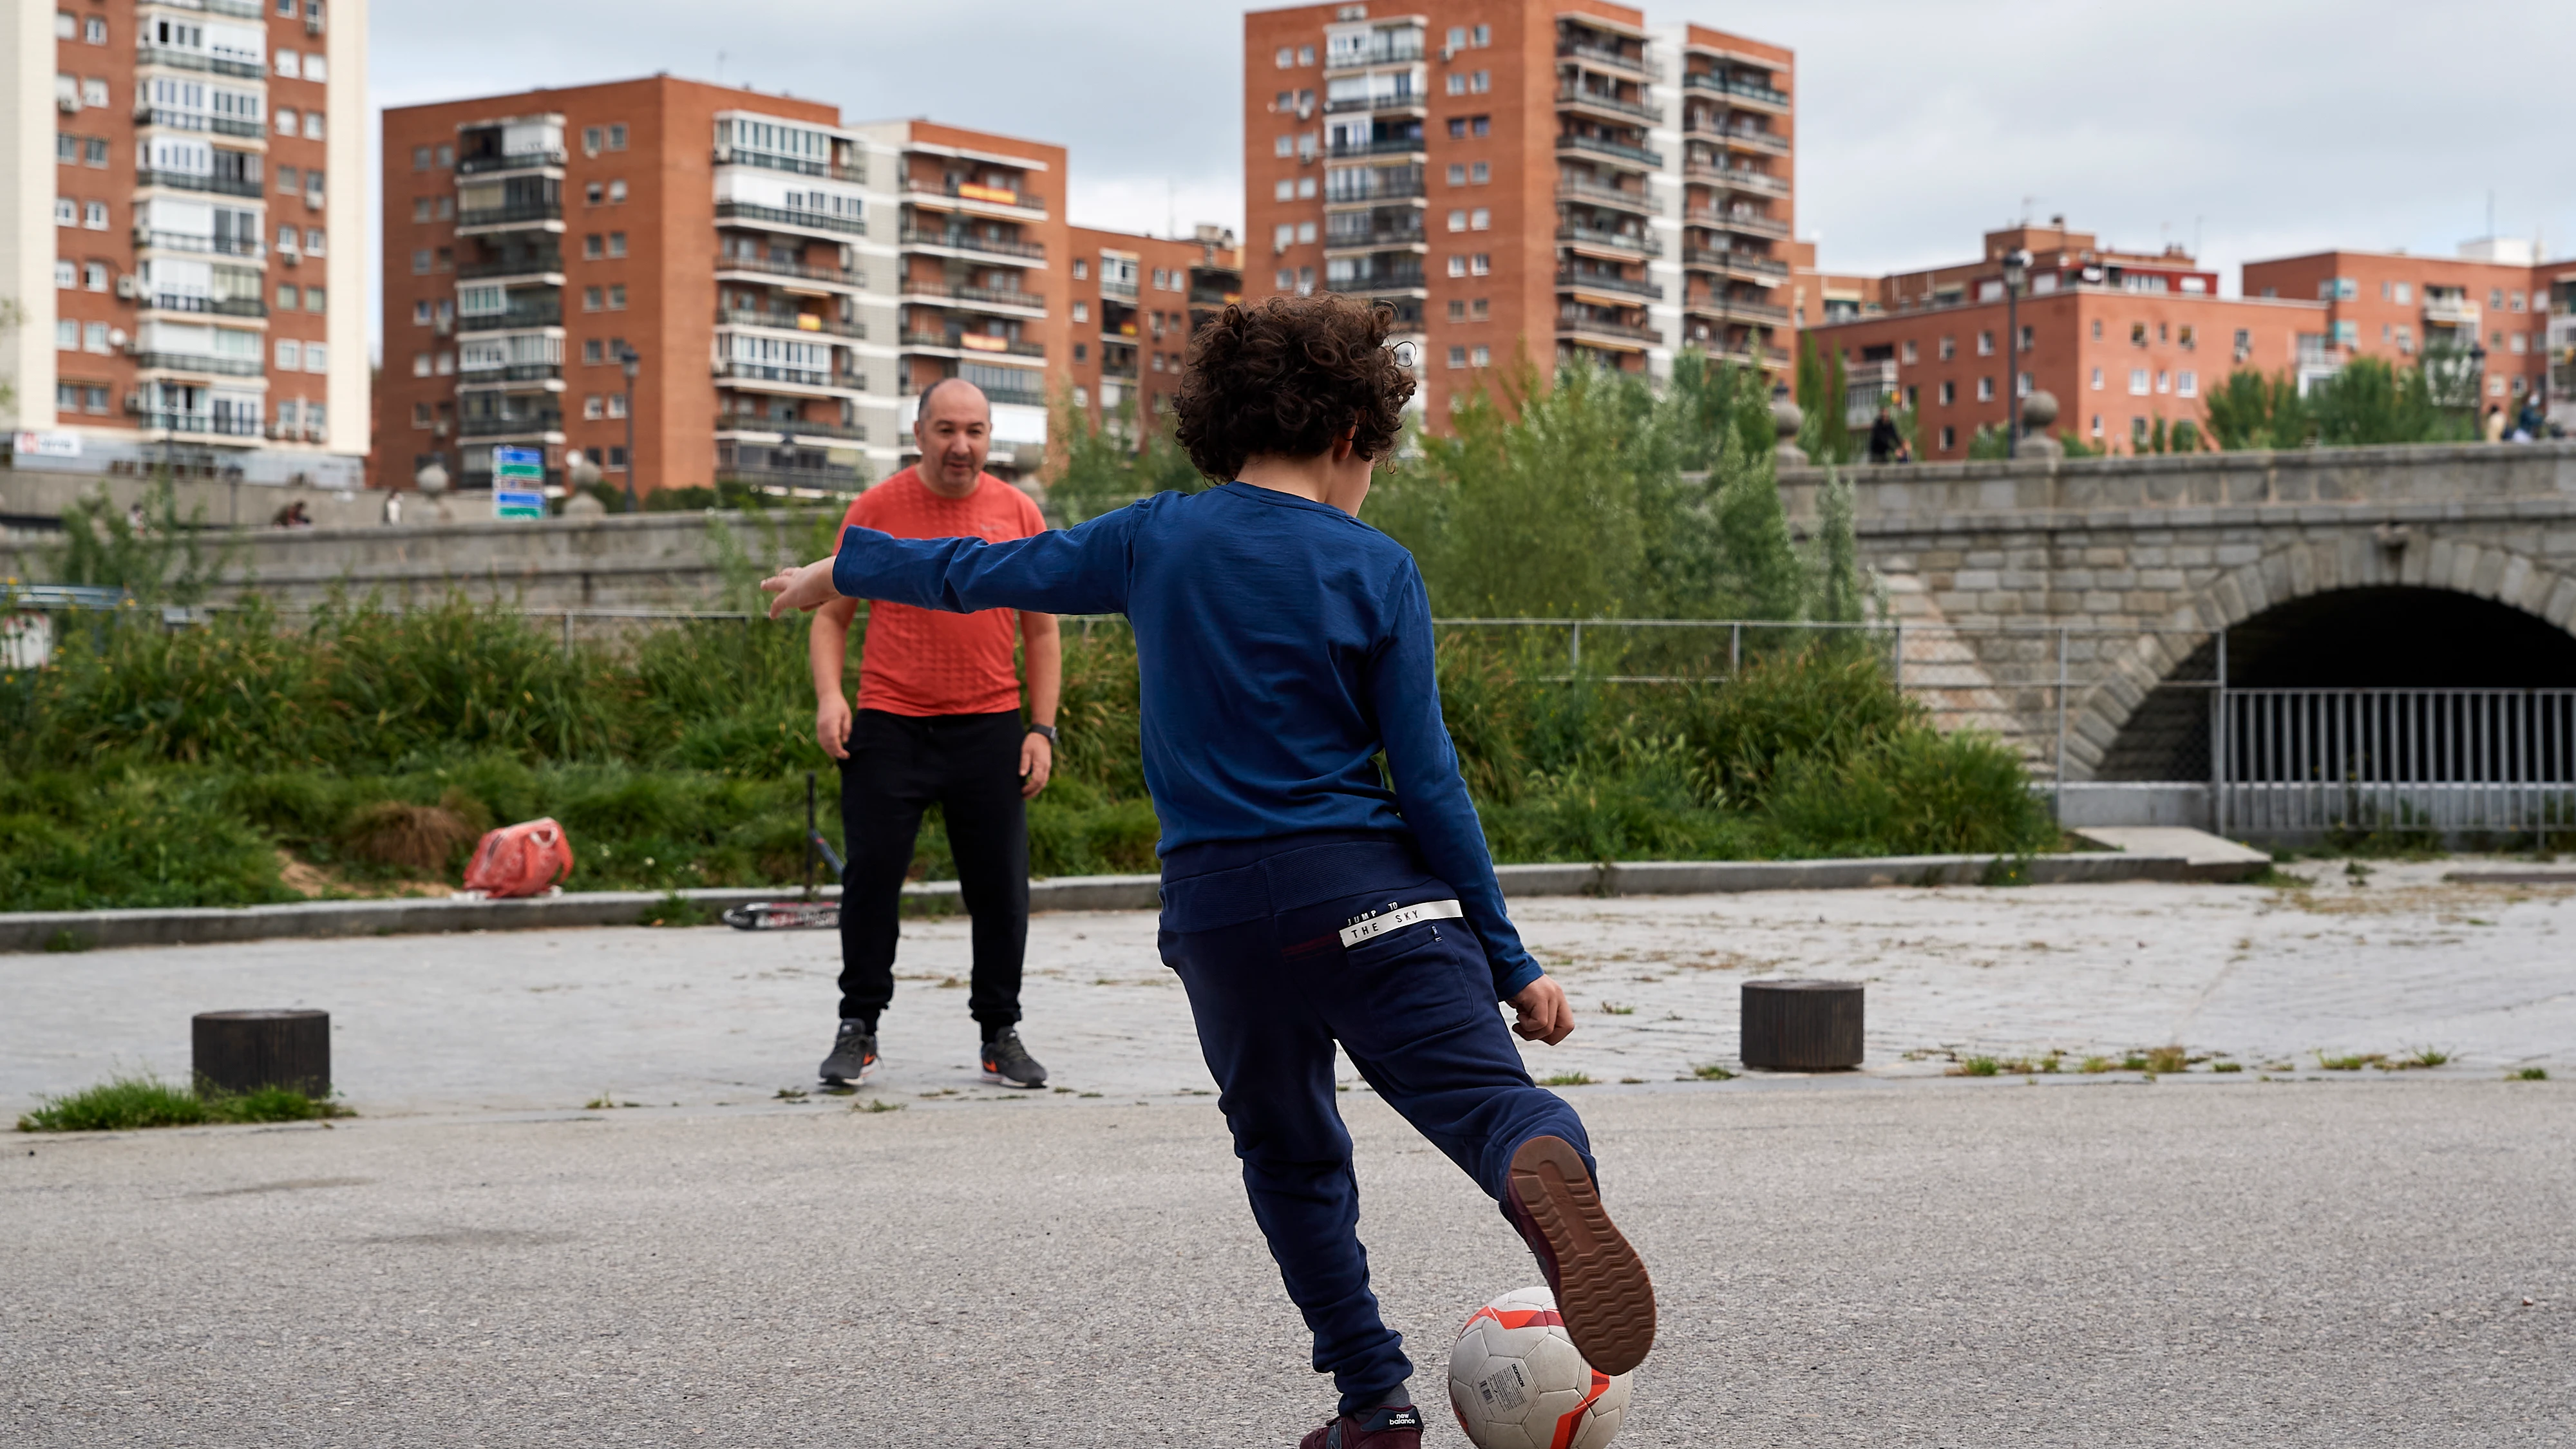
2530 1074
1712 1072
1565 1079
877 1104
123 1104
1977 1067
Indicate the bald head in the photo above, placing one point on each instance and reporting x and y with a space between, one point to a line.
955 429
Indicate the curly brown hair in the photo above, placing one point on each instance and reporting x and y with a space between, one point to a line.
1287 376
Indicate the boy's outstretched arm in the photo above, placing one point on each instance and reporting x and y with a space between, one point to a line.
1069 571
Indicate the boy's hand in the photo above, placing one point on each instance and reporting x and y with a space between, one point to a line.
832 726
805 589
1545 1016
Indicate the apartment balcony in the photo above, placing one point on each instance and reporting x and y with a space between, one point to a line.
198 364
1380 282
996 201
169 120
1618 153
1735 264
190 181
545 426
749 428
513 161
957 342
969 246
2449 311
1395 102
819 478
1737 309
1761 97
1592 193
1623 244
1389 194
772 377
975 299
1603 284
152 55
1740 223
803 323
779 218
1610 58
215 306
1734 178
147 240
794 165
1405 239
1393 51
1739 138
1597 103
513 319
761 268
542 270
517 216
187 424
1606 332
546 375
1743 353
1398 146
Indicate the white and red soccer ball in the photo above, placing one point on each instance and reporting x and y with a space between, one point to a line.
1516 1381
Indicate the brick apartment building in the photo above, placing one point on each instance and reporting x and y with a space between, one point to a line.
180 230
1135 301
2121 339
2492 299
1512 175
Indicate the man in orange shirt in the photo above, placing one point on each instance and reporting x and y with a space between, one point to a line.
938 720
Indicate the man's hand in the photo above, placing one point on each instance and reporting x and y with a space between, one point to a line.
1037 761
805 589
1544 1014
832 726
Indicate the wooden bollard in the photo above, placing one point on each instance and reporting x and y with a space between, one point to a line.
243 1051
1793 1025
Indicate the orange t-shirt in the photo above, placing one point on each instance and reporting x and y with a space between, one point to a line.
927 661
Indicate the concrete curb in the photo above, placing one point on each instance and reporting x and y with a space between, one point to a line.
33 930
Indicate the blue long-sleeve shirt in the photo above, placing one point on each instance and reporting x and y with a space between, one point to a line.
1281 644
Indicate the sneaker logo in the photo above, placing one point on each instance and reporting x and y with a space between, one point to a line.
1379 923
1404 1418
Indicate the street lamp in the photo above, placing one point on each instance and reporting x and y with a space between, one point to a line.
633 362
2016 271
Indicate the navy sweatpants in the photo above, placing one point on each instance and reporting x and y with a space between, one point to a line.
1253 929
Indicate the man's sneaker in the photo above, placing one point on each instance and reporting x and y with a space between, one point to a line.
1009 1063
1376 1429
854 1056
1601 1287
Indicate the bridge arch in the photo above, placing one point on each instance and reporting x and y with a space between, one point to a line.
2148 701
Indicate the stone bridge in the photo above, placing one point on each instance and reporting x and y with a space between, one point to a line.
2430 566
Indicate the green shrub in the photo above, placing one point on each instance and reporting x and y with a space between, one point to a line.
124 1104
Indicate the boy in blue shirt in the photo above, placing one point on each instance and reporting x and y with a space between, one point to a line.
1282 646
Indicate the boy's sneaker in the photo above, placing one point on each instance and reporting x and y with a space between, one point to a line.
854 1056
1602 1291
1009 1064
1377 1429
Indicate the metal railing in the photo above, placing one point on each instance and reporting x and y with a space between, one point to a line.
968 191
1397 146
1609 327
510 372
1382 51
1744 136
179 241
973 296
789 427
780 216
1599 282
1734 178
1738 89
799 165
1719 259
1574 188
536 266
473 427
1645 111
191 181
2444 761
1604 55
790 322
1744 222
197 60
837 276
509 161
171 120
517 213
1619 150
515 317
1770 312
967 241
1639 242
771 372
191 362
217 306
1378 101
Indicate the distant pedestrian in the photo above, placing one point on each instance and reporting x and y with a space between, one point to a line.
1886 440
938 722
2494 427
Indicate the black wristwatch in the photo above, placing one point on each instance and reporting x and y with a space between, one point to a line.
1046 730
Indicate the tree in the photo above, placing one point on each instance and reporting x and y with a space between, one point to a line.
1823 393
1112 464
158 561
2250 410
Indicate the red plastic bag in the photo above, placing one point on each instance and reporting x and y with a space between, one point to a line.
520 860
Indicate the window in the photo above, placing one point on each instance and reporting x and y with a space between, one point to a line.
291 181
617 297
1481 264
1081 268
617 137
420 262
2025 341
420 314
93 92
317 357
1480 125
1481 82
2187 383
1305 231
1457 173
66 211
1985 344
66 335
1285 279
1457 84
2244 341
1457 128
2137 334
1457 305
2137 382
94 337
1482 356
66 272
1482 220
66 25
2338 289
313 299
1457 357
1305 55
94 276
446 363
590 352
420 415
446 155
1949 436
1458 220
2097 379
1305 190
290 356
1949 348
94 215
94 30
590 299
1480 173
420 158
2520 342
1305 281
313 240
1985 389
593 409
1458 265
287 296
1910 353
593 194
616 404
2495 295
2097 329
2517 301
1082 311
591 249
617 458
1283 58
1284 146
419 206
1286 190
1480 307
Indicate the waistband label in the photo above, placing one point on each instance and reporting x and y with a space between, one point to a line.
1379 923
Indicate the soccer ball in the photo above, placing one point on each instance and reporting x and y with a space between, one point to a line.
1516 1382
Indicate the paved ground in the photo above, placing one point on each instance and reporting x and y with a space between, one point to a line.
2389 963
2381 1261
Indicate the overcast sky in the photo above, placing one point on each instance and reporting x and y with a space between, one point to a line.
2260 127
